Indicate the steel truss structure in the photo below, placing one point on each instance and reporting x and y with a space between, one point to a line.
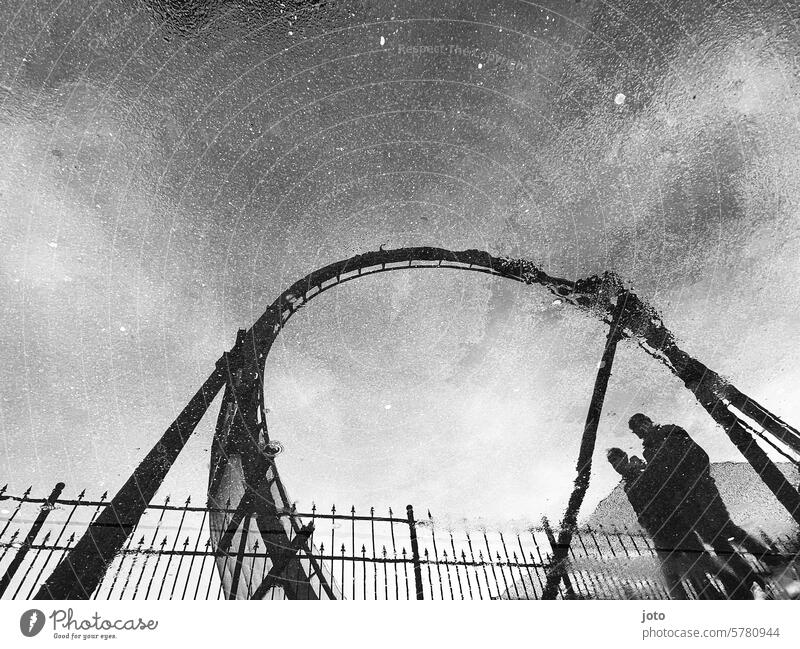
244 469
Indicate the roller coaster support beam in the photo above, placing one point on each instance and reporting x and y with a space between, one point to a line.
83 568
584 465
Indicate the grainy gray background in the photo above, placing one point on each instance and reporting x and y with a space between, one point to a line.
165 173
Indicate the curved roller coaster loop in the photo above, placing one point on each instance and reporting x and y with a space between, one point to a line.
603 296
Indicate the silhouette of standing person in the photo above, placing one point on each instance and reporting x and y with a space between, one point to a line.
680 554
691 493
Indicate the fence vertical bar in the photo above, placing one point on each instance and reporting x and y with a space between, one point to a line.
506 590
652 585
237 570
151 549
394 554
252 569
122 555
511 572
207 550
159 553
343 551
447 570
522 577
9 545
53 550
412 530
136 554
385 575
16 562
180 565
486 574
578 574
583 578
430 578
436 555
333 542
353 546
31 564
191 561
20 502
472 558
174 546
405 572
491 563
527 568
466 573
364 563
598 586
455 561
56 542
100 504
225 552
374 564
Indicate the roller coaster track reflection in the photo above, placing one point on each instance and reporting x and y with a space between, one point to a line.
742 418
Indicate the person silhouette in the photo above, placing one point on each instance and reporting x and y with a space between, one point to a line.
690 492
681 555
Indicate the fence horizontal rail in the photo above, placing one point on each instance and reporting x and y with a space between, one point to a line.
217 510
174 552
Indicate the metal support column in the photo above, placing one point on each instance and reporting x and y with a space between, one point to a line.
412 530
80 571
584 466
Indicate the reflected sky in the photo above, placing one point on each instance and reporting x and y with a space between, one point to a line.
165 175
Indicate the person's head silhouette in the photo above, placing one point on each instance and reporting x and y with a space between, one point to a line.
618 459
641 425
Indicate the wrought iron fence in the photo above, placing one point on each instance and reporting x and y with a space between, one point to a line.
347 554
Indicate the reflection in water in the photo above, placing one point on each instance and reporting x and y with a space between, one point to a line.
679 505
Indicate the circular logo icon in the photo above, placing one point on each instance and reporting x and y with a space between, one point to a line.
31 622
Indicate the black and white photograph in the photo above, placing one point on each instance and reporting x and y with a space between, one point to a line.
397 300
